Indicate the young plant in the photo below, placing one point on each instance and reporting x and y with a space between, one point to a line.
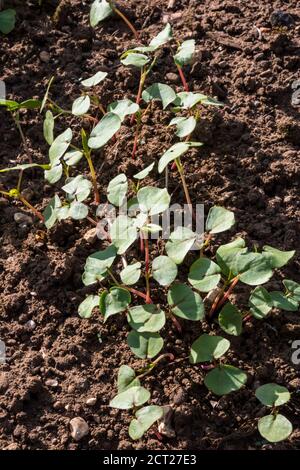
274 427
7 20
184 56
102 9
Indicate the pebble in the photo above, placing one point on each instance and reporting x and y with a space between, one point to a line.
281 18
51 383
30 325
91 401
172 77
79 428
90 236
45 56
21 218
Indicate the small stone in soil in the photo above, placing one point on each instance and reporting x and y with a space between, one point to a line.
79 428
90 236
45 56
281 18
21 218
172 77
91 401
51 383
30 325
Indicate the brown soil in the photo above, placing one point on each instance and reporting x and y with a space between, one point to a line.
250 164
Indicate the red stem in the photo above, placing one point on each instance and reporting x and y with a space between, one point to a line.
139 94
140 294
181 74
227 294
136 139
147 269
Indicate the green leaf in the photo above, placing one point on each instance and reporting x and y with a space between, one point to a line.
204 274
94 80
260 303
54 174
30 104
175 152
48 128
231 320
24 166
78 188
81 105
145 345
253 268
131 397
127 378
60 146
278 258
117 189
225 379
226 255
185 53
50 212
78 210
272 394
185 126
123 108
10 104
207 348
151 228
97 264
7 20
293 288
131 274
104 130
135 59
219 220
145 418
275 428
145 172
123 233
86 307
188 99
164 270
153 200
185 303
114 301
179 244
279 300
72 157
100 10
162 38
146 318
159 91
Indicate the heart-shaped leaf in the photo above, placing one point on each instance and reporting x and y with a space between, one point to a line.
175 152
135 59
86 307
94 80
145 345
130 398
272 394
48 128
146 318
153 200
123 108
275 428
7 20
54 174
253 268
59 146
204 274
260 303
50 212
100 10
225 379
185 52
145 417
123 233
164 270
207 348
145 172
219 220
104 130
162 38
188 99
293 289
281 301
278 258
97 264
185 303
131 274
81 105
185 126
179 244
161 92
231 319
226 255
117 189
78 210
78 188
72 157
127 379
114 301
